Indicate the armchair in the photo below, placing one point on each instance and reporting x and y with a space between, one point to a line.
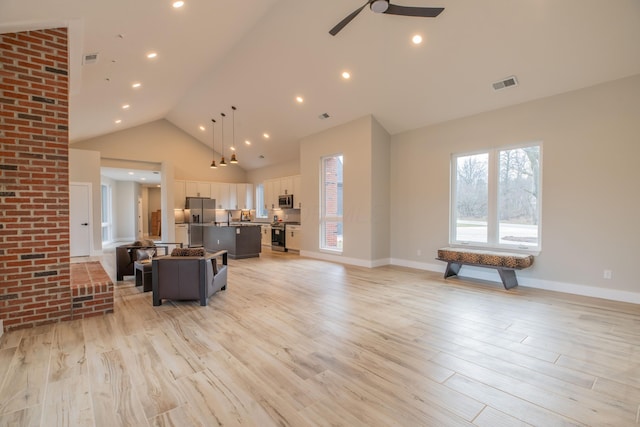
127 255
188 277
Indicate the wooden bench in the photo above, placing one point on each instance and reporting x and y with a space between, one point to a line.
506 263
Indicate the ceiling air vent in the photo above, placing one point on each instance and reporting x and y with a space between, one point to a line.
323 116
503 84
90 58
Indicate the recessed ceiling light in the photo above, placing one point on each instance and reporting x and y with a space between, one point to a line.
118 121
178 4
417 39
202 128
136 85
126 106
152 55
130 173
143 179
299 99
247 142
346 75
233 148
266 135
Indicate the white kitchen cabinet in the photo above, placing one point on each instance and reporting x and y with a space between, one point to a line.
266 235
179 194
270 195
191 189
224 201
233 197
197 189
293 240
182 234
204 189
244 196
297 191
215 193
286 185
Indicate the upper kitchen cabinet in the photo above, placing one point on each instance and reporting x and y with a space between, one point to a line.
198 189
270 194
297 191
233 197
286 185
244 196
281 186
223 201
179 194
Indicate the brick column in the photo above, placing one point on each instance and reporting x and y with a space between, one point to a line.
34 178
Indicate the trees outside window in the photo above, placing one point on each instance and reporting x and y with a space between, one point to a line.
495 198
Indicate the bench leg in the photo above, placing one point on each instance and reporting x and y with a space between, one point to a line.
508 277
453 268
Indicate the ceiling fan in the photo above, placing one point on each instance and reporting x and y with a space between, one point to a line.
383 6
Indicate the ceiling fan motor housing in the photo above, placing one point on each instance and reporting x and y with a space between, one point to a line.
379 6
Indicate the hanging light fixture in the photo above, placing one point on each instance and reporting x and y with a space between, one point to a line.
233 135
213 146
222 162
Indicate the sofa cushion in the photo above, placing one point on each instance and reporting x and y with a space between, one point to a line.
145 254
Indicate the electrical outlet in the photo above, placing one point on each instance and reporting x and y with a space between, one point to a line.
607 274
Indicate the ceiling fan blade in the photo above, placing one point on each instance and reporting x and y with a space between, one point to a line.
346 20
425 12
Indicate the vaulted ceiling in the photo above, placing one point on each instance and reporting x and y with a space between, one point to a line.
259 55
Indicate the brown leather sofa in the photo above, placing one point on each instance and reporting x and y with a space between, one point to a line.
188 277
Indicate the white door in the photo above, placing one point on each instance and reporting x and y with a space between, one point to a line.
79 224
140 222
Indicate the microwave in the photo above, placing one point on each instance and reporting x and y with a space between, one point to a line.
285 201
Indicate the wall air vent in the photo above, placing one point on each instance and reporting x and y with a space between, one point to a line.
90 58
503 84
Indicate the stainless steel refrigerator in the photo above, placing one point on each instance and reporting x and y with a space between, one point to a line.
199 211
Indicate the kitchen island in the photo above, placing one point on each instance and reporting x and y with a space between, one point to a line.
240 241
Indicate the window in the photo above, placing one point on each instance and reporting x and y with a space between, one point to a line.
106 213
261 211
495 198
331 235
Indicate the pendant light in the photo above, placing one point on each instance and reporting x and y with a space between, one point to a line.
233 136
213 146
222 162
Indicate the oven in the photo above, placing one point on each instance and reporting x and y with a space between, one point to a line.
278 237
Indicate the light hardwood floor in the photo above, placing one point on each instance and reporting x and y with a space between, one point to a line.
301 342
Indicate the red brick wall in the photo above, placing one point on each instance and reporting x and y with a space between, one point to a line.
34 178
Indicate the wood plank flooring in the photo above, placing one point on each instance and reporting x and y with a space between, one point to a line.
302 342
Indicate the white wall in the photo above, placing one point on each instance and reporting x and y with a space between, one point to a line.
125 200
257 176
590 202
354 141
159 142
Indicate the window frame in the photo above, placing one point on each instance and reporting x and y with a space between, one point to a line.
261 211
324 218
493 184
